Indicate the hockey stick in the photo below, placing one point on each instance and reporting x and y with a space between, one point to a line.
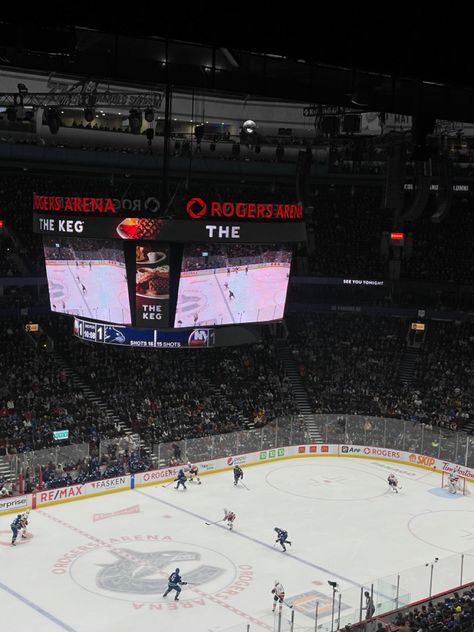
210 523
245 486
168 484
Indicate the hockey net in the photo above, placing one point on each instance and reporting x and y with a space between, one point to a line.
462 484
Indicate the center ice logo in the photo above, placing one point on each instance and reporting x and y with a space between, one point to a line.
132 571
196 208
136 568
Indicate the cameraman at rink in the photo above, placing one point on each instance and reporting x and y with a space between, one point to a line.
369 605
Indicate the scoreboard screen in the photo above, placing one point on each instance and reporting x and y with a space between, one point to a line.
227 265
232 284
87 277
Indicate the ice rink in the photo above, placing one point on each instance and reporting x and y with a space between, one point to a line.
258 295
100 564
97 289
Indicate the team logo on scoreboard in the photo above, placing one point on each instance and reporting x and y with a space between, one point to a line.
113 335
201 337
196 208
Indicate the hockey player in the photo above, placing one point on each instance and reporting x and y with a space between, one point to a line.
393 483
181 479
16 526
282 536
24 518
174 583
229 517
453 482
278 595
193 472
238 474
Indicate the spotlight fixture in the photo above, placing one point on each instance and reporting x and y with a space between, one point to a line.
249 127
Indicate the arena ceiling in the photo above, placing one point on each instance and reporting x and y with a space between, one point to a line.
387 58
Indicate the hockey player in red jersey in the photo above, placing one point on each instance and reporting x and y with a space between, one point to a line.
229 517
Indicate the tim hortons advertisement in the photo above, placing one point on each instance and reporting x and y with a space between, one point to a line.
178 231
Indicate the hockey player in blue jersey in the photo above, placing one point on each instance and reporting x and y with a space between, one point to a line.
174 583
282 536
16 527
181 479
238 474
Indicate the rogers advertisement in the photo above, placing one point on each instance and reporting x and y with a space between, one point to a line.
152 284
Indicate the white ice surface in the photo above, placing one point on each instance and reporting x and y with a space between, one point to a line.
259 296
344 524
106 295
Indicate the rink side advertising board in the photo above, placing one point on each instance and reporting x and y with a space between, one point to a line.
168 230
398 460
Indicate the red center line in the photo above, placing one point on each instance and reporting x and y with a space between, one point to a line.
123 554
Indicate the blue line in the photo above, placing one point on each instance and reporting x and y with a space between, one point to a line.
248 537
32 605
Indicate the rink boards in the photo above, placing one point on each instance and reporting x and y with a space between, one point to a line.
162 476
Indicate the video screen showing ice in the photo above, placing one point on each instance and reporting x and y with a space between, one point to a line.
87 277
232 284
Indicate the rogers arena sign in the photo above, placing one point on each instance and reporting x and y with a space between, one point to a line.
99 205
197 208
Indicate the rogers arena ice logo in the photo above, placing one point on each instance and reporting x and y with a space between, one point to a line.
196 208
135 568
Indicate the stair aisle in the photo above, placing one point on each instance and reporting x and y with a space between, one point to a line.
299 391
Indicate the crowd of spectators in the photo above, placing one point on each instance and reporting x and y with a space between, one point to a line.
350 364
181 395
453 614
91 468
38 397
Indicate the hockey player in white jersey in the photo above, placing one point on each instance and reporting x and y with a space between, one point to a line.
193 472
453 482
25 519
393 483
278 593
